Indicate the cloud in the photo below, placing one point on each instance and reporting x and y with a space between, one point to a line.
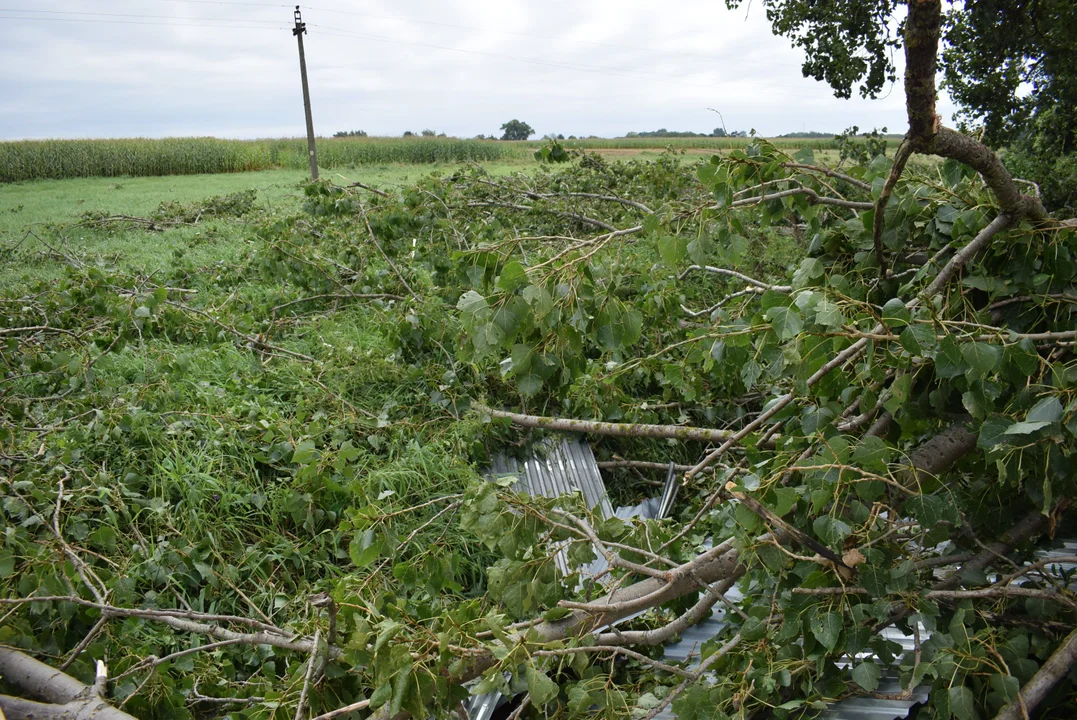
458 66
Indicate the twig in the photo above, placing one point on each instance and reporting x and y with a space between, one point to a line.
374 239
355 706
734 273
310 674
254 342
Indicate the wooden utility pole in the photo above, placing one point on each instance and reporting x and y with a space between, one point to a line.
300 28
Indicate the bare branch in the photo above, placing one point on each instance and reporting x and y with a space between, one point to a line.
1037 688
594 427
735 274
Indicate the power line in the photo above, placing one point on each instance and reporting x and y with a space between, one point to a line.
225 2
132 15
704 56
140 22
585 68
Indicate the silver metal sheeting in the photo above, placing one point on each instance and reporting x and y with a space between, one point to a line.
558 469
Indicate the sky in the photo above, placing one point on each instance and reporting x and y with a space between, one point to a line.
159 68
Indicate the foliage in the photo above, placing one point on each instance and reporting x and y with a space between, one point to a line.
350 133
860 149
1007 62
280 433
516 130
845 42
663 133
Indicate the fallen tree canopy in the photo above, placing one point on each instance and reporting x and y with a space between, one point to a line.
251 488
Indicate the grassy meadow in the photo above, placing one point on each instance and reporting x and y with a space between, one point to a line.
38 213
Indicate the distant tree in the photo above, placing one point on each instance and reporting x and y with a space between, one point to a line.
442 135
719 132
480 137
560 136
409 133
350 133
429 133
516 130
738 133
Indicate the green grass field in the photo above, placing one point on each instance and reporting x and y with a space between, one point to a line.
26 208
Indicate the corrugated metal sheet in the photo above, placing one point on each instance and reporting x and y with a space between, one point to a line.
559 468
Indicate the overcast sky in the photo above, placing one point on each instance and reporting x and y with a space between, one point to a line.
154 68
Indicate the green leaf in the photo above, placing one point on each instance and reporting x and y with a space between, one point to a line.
919 340
471 303
381 695
831 530
142 312
826 627
1048 410
962 702
867 675
304 452
992 432
542 688
810 269
872 454
632 327
513 276
981 357
529 384
895 314
672 248
784 500
829 315
786 321
718 351
1025 428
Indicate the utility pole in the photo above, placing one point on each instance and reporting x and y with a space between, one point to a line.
300 28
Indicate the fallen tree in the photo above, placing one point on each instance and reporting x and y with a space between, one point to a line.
880 437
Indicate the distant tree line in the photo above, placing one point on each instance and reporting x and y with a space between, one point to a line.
663 133
811 134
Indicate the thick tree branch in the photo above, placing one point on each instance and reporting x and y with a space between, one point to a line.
64 697
1037 688
926 134
594 427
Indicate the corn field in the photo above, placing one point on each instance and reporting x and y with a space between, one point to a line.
57 159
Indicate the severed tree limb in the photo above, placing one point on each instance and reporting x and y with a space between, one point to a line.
1037 688
530 208
735 274
904 152
595 427
829 173
813 197
65 698
368 188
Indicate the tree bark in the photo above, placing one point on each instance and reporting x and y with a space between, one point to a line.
65 698
1036 689
595 427
926 133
